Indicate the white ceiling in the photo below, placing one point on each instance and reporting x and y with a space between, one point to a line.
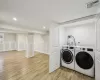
34 14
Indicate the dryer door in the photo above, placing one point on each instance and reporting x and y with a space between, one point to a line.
67 56
84 60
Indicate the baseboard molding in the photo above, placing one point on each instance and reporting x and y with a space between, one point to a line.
8 51
11 50
41 52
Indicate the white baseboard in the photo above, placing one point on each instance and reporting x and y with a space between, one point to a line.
41 52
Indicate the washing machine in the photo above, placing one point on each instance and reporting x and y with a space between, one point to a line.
67 57
84 60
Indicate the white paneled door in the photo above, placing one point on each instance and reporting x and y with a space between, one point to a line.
54 60
54 36
97 70
54 57
97 54
98 34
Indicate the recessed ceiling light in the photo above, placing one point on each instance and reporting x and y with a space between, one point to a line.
44 27
15 19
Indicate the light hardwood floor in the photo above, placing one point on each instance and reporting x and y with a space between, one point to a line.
14 66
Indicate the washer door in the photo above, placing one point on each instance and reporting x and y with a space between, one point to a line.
84 60
67 56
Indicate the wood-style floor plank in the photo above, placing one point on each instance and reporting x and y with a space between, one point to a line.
14 66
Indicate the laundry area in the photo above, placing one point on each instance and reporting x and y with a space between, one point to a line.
49 39
77 45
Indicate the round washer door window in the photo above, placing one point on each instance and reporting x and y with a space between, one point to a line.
84 60
67 56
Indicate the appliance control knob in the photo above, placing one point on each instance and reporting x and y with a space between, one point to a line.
83 48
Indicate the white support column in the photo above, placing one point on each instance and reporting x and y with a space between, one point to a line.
30 45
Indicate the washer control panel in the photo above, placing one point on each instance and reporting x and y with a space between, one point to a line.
71 47
89 49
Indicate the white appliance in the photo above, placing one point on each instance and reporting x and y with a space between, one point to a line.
67 57
84 61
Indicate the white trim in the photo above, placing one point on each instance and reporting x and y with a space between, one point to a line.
41 52
15 28
78 23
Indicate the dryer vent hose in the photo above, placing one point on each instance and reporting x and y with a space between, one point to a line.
72 38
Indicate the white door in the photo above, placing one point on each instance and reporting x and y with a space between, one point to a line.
98 35
97 55
54 60
54 36
54 57
97 69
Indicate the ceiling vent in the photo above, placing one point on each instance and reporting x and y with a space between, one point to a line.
92 3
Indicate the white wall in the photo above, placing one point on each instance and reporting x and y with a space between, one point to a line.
9 37
21 41
85 34
9 42
62 35
30 45
46 43
18 42
41 43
